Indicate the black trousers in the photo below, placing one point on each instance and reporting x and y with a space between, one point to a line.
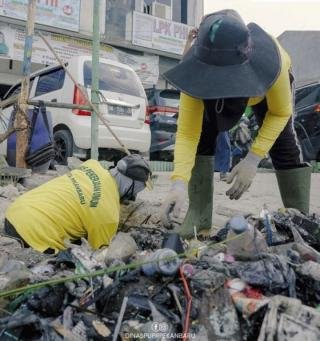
10 231
285 153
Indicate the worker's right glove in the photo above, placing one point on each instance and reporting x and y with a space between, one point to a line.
173 203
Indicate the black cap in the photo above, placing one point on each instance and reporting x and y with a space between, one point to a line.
134 166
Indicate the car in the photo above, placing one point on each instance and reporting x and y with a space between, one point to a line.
307 120
123 103
163 108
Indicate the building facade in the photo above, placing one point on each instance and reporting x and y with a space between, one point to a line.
148 35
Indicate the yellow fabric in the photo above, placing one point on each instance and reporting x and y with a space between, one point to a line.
82 203
280 109
191 114
188 136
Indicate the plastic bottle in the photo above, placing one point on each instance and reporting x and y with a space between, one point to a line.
246 241
162 261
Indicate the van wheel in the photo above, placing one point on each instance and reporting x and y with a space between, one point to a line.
63 146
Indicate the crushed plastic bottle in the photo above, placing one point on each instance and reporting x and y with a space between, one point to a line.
246 241
162 261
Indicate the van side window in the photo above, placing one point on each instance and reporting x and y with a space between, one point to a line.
50 81
17 89
14 91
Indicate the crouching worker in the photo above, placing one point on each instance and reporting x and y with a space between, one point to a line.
84 203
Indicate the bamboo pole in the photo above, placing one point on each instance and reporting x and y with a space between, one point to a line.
22 117
95 80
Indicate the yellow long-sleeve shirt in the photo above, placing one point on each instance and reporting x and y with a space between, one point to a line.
279 101
82 203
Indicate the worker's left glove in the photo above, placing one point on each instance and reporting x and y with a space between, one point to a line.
243 173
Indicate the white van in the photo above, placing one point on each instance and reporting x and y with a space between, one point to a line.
118 84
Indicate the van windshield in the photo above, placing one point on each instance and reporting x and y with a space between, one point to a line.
114 78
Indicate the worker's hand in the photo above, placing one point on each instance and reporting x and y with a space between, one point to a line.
193 33
173 203
243 173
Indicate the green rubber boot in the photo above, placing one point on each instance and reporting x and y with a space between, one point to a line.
200 190
294 186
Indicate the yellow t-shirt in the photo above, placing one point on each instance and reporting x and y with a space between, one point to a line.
83 203
280 108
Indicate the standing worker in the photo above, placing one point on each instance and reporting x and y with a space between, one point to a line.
229 66
84 203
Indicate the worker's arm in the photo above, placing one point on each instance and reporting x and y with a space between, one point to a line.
280 109
279 102
188 135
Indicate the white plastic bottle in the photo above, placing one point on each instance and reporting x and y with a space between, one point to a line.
246 241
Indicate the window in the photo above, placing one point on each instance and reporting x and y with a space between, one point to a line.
16 89
114 78
50 81
169 98
158 8
13 91
308 95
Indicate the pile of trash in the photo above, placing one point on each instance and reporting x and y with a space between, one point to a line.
257 278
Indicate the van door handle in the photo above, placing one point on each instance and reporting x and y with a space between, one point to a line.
54 100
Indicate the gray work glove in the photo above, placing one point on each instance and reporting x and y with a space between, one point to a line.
173 202
243 173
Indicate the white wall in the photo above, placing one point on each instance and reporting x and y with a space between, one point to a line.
275 16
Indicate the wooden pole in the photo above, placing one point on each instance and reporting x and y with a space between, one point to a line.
22 116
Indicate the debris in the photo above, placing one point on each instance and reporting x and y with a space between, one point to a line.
47 301
218 316
118 325
245 240
308 283
289 319
101 328
13 273
218 289
246 299
267 223
173 241
9 192
162 261
270 272
121 247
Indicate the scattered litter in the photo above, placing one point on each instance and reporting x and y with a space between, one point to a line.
121 247
258 278
250 241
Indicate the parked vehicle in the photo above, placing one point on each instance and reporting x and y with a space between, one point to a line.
163 114
307 120
125 110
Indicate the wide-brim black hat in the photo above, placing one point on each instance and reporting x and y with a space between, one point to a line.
228 59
